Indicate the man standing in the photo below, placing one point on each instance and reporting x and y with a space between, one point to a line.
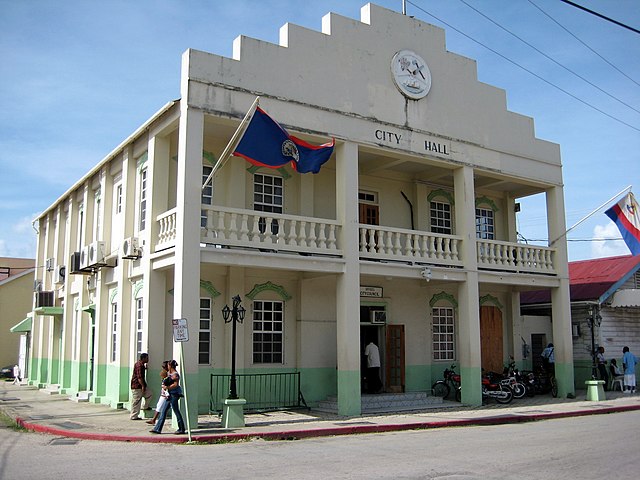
139 387
549 359
629 361
602 367
373 367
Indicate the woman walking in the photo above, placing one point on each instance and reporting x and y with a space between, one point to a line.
164 395
172 385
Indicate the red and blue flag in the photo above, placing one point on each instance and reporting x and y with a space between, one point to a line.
626 215
267 144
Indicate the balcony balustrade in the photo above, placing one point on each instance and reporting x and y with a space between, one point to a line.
232 227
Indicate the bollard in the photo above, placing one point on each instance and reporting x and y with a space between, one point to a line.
595 390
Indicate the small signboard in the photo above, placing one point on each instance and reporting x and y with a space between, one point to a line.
180 330
370 292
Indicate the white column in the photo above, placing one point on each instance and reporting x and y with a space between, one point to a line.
560 296
186 299
348 283
468 291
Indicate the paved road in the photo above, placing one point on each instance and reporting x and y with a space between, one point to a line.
591 447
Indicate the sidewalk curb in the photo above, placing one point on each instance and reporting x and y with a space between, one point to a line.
322 432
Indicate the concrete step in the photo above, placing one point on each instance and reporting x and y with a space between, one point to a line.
386 403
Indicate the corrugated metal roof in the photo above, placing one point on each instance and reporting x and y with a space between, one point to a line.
589 279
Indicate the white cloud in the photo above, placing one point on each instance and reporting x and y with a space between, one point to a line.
19 239
608 248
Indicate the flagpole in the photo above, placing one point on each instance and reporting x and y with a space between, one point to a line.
227 150
592 213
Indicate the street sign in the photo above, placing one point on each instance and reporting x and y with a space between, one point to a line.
180 330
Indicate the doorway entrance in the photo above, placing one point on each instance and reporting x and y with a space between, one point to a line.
375 334
491 339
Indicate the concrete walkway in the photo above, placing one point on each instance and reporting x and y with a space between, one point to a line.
58 415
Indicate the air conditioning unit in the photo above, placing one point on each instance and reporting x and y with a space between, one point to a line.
50 264
74 263
44 299
130 249
37 285
378 316
84 258
97 254
58 274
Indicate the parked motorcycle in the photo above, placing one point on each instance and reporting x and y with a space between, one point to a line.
540 382
451 381
513 379
492 387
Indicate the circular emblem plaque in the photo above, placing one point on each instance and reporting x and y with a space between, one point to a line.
411 74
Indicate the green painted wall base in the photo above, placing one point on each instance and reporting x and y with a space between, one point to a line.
565 379
349 396
470 378
233 413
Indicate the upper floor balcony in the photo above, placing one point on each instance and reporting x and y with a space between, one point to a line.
249 229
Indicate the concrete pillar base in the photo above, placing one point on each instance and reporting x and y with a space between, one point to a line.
233 413
595 390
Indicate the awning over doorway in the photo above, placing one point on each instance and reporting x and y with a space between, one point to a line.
22 326
54 311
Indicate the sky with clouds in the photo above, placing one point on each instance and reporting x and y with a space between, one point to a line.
79 76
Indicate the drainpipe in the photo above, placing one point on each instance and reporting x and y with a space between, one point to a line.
410 208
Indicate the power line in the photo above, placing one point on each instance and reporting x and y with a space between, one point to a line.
582 42
600 15
525 69
548 57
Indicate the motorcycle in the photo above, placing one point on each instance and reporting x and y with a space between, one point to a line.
540 382
492 387
442 388
514 380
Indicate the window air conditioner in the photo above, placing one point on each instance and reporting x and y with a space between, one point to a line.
84 258
44 299
97 254
130 249
59 274
50 264
74 263
378 316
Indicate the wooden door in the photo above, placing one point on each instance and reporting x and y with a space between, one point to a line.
491 339
369 215
394 364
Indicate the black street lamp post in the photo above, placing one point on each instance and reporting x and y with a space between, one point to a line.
234 315
593 320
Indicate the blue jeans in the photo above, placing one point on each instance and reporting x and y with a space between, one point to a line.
174 403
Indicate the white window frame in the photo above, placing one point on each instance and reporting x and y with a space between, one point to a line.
485 224
267 330
267 189
75 349
204 331
438 217
142 221
114 331
139 316
443 340
207 194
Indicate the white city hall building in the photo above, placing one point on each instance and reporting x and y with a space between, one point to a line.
406 236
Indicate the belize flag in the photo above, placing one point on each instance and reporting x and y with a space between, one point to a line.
265 143
626 215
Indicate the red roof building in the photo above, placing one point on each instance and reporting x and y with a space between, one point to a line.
591 280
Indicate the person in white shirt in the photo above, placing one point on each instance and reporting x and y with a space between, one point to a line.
373 368
16 375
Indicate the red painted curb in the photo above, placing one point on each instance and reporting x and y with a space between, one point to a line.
322 432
